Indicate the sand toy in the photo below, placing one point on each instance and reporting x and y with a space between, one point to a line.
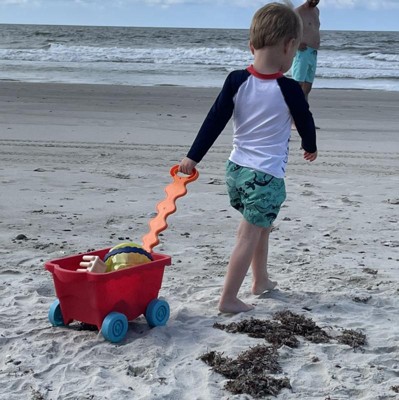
109 300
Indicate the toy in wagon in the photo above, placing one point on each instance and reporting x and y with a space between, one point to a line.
109 287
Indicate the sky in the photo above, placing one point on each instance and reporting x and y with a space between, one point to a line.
365 15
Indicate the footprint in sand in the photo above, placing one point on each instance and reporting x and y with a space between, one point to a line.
310 373
346 200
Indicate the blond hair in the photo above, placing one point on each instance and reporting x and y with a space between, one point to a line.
274 22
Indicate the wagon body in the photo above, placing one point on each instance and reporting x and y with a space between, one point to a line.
89 297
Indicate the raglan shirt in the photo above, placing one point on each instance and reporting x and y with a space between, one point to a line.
262 107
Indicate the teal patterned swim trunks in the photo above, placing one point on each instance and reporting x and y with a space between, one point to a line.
256 195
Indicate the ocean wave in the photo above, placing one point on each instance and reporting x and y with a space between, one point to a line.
372 64
346 48
42 33
215 56
181 55
121 55
359 77
17 46
384 57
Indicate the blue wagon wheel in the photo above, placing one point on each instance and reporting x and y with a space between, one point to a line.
114 327
157 313
55 314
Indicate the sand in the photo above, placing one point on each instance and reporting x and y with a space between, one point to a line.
82 167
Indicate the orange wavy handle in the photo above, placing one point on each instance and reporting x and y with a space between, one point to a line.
167 206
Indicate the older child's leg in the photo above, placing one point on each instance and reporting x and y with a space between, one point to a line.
247 239
261 281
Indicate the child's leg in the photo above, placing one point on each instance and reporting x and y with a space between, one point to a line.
247 239
261 281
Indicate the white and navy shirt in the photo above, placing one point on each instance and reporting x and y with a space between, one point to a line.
262 107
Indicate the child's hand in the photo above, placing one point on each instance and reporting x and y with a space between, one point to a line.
187 165
309 156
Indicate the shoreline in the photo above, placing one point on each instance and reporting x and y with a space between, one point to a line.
173 114
179 86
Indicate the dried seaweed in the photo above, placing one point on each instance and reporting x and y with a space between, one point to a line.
36 395
359 299
249 372
276 334
395 388
259 386
219 364
257 360
352 338
300 325
282 331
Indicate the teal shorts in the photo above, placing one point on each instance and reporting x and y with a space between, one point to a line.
304 65
256 195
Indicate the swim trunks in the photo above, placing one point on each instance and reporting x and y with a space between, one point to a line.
304 65
256 195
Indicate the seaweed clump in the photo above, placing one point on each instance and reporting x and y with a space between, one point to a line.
282 331
259 387
395 388
300 325
250 372
352 338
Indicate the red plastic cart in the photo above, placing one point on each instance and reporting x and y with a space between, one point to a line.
110 300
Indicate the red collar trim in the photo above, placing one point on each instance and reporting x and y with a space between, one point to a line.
257 74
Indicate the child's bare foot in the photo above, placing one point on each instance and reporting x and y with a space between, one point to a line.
234 306
261 287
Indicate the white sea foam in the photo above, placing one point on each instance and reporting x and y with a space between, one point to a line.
187 57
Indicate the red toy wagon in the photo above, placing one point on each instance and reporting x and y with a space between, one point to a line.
109 300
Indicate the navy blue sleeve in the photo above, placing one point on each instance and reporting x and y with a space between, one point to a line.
299 109
218 116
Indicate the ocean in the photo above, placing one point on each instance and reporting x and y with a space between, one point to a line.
181 56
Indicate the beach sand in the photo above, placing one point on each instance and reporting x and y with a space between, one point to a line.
82 167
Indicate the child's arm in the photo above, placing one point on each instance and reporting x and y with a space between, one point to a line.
216 120
299 109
